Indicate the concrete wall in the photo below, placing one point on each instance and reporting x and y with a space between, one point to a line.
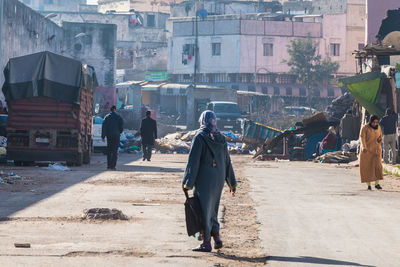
96 47
25 32
376 12
329 6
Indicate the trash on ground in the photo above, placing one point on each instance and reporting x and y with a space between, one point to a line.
103 214
57 167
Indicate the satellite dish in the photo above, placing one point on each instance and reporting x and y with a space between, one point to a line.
392 39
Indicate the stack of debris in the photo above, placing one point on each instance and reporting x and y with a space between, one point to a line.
181 142
130 142
337 157
103 214
339 106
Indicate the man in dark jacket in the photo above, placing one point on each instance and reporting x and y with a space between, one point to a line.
112 128
148 131
389 124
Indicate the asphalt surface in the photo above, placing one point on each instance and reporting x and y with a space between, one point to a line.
321 215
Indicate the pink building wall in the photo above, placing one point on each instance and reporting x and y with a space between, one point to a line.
376 12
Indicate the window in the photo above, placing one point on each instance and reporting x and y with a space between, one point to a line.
335 50
268 50
289 91
277 91
251 88
235 87
331 92
186 77
303 91
216 49
151 20
265 90
48 2
361 46
188 49
316 93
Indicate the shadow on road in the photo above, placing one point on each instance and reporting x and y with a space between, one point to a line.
301 259
13 200
315 260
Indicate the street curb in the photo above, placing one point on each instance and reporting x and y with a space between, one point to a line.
391 169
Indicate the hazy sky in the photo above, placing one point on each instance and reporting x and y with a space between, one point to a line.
92 2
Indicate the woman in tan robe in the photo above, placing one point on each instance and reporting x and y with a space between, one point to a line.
371 153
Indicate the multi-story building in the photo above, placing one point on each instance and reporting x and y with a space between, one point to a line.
141 38
248 52
137 5
188 8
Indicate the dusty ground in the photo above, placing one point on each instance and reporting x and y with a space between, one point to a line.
44 208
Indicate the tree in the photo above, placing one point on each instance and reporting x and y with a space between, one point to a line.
308 66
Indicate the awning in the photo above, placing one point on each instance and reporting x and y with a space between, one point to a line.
150 87
366 89
174 90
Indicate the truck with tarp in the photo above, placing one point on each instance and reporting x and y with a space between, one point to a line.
50 103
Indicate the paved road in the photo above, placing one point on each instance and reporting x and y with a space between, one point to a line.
320 215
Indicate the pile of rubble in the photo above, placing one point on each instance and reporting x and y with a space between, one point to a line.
337 157
180 143
103 214
339 106
130 142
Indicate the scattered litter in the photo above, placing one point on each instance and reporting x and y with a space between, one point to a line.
22 245
32 190
57 167
103 214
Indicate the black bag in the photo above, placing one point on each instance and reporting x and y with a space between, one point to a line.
194 215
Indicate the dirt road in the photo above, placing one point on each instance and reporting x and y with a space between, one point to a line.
43 208
320 215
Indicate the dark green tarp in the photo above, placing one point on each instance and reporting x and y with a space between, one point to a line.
46 74
366 89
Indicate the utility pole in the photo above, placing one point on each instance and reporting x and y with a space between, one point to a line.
255 54
196 52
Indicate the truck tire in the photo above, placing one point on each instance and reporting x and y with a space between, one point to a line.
86 157
79 159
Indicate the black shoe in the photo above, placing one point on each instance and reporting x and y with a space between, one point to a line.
148 160
144 159
218 245
378 186
113 169
202 248
369 187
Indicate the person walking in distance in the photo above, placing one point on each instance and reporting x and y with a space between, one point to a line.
112 127
148 131
389 124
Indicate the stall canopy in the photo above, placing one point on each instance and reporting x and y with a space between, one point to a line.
366 89
49 75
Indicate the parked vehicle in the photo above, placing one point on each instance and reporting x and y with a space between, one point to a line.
228 114
49 109
98 144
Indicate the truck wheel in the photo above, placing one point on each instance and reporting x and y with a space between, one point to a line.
79 159
86 157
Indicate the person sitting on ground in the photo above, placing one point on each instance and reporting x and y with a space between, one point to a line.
329 142
208 168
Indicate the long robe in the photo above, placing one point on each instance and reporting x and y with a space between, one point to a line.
208 168
371 161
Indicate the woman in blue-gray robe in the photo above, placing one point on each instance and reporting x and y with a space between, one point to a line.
208 168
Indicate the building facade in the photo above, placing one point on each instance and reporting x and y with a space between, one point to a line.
109 6
25 31
245 53
141 39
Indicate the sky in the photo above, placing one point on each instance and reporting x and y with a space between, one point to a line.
92 2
